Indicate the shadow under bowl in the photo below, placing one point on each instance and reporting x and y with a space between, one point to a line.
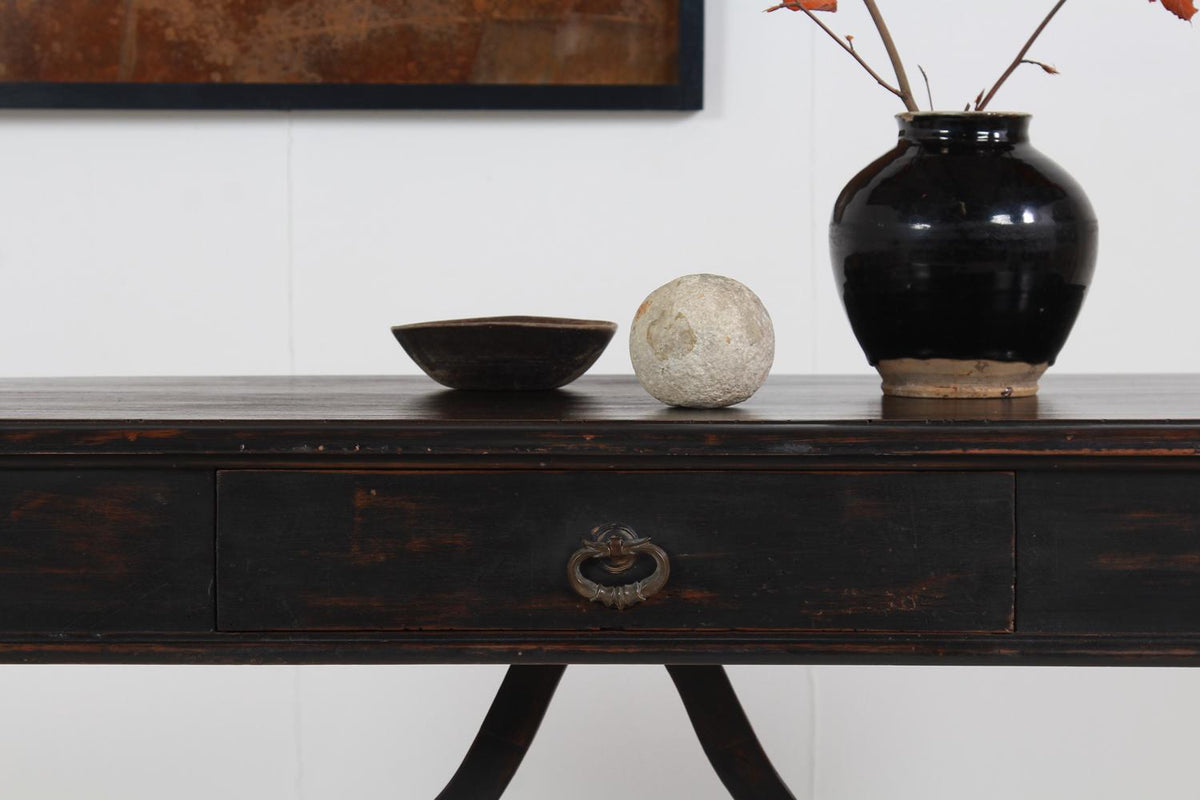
505 354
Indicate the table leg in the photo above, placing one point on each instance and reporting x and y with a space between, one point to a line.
506 733
726 735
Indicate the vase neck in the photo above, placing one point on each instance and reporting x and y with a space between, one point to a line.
965 128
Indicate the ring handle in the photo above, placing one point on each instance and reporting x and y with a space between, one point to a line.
619 547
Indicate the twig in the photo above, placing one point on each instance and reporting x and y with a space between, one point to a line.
980 106
928 88
889 44
1049 69
849 48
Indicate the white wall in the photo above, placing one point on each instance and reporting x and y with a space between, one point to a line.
230 243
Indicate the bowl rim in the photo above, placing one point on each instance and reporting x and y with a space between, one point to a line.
559 323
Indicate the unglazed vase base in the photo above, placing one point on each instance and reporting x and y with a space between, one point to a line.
955 378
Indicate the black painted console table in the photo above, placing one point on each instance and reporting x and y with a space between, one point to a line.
382 520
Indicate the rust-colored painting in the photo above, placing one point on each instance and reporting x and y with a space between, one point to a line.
372 49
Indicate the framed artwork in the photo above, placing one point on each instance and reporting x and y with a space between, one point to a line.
352 54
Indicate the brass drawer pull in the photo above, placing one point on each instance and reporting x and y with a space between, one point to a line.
618 547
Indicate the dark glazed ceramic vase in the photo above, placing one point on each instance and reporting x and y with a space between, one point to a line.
962 257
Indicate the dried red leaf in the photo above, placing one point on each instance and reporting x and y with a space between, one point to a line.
1184 9
811 5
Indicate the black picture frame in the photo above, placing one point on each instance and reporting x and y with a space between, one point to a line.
686 95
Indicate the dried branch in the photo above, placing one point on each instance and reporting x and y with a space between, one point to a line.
889 44
928 88
847 45
980 106
1049 69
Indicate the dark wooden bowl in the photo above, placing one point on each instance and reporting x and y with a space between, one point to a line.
505 353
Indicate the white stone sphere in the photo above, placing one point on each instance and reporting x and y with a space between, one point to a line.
702 341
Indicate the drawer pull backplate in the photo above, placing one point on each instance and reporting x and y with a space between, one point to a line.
618 547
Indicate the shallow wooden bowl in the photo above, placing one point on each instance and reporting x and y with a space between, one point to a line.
505 353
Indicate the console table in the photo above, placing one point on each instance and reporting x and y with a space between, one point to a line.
384 520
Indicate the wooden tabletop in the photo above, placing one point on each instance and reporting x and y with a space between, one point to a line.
818 497
605 415
784 399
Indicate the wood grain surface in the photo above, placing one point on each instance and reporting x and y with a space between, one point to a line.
97 551
323 418
459 551
1104 553
873 528
829 400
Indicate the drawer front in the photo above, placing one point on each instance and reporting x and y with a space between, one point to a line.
106 550
1109 553
489 551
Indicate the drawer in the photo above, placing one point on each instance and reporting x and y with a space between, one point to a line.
1109 552
490 550
106 550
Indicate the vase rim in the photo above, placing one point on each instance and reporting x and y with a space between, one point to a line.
908 115
974 127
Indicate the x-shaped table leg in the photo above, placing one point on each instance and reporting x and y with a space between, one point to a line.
516 713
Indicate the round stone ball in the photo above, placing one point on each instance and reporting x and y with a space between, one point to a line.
702 341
